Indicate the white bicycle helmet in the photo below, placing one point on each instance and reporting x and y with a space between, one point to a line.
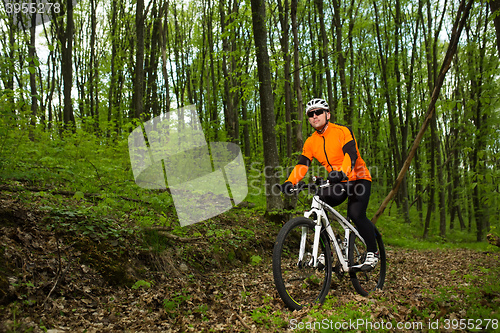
316 103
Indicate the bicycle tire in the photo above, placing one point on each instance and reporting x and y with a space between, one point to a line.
297 283
366 282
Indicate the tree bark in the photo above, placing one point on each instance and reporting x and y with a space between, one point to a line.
139 61
324 55
299 140
112 84
271 157
284 40
163 42
227 70
393 142
480 121
67 66
33 67
341 63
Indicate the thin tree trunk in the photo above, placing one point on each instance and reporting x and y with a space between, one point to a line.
324 44
139 61
341 63
271 157
33 67
111 101
494 9
480 122
284 40
403 121
299 140
394 144
163 42
227 70
67 66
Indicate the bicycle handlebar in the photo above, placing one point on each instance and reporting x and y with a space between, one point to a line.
317 184
314 185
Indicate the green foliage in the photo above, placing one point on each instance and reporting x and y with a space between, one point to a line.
475 299
171 305
98 228
256 260
268 318
141 284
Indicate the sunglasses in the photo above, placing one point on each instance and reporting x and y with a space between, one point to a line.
318 112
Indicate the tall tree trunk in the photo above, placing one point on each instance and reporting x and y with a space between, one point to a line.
271 157
163 42
151 68
138 94
51 77
112 84
480 121
403 120
299 140
32 69
212 89
394 144
432 179
227 70
324 49
341 62
67 66
284 40
495 8
93 68
9 80
454 176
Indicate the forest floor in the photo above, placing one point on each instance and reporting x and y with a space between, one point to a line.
55 278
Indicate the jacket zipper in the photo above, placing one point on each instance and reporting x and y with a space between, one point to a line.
326 155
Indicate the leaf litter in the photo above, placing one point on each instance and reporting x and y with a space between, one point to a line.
51 281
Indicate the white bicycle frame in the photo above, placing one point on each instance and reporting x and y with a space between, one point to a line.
318 207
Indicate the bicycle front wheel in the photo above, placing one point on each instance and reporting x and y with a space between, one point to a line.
366 282
299 283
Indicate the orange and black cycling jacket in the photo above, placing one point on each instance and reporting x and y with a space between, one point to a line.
335 149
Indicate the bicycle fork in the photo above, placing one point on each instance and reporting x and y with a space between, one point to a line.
340 251
313 262
317 233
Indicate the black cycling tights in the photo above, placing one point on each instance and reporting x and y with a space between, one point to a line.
358 192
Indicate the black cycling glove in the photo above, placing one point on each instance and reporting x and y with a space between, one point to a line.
335 177
286 188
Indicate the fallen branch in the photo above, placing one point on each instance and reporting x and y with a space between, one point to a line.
59 272
241 320
463 13
418 196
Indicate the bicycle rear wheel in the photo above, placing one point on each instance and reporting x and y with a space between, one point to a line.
366 282
298 283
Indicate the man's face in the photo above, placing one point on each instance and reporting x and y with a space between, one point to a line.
318 121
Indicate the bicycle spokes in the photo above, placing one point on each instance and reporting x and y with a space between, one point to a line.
299 283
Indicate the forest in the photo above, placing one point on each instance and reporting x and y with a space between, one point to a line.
417 82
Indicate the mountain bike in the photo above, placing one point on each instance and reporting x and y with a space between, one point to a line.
303 256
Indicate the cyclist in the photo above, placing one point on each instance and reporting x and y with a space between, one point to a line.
335 147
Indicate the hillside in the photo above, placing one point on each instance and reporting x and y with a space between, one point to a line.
64 272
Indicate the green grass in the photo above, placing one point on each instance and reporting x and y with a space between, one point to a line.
398 233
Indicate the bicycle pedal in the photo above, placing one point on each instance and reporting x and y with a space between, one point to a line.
354 269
